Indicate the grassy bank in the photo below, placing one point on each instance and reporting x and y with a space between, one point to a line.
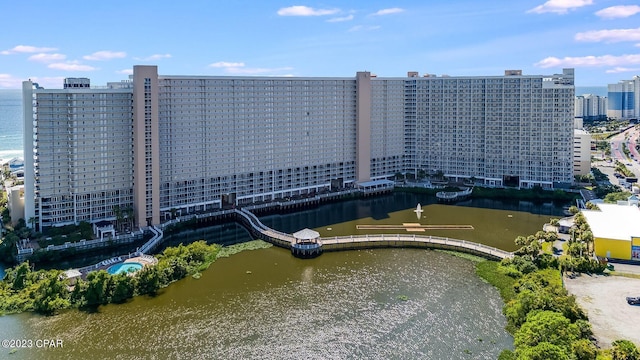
249 245
524 194
503 194
48 291
488 271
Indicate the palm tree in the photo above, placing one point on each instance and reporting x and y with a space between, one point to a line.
119 217
130 215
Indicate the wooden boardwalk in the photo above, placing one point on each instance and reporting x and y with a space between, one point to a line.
412 241
337 243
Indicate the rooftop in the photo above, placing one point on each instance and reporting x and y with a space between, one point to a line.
620 222
306 234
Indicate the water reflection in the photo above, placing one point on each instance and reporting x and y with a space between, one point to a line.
377 304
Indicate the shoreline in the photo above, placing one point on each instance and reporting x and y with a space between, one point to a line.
195 224
6 155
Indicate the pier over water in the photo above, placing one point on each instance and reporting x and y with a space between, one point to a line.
310 248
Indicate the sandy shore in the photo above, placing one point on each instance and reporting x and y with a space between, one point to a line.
603 298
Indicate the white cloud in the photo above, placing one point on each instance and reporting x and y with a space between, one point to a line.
153 57
125 72
45 58
239 68
255 71
9 82
388 11
620 69
305 11
71 66
590 61
49 82
105 55
559 6
610 36
620 11
226 64
364 28
339 19
26 49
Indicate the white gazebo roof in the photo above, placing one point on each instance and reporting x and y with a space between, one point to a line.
306 234
568 222
73 273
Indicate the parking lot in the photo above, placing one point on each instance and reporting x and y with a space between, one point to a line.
604 299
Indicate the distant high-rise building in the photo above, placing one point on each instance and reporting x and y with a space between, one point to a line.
581 152
591 107
157 144
624 99
75 83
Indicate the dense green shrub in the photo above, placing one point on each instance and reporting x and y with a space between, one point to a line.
624 350
47 291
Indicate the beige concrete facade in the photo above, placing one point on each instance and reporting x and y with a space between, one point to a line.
363 126
146 190
29 165
15 202
581 152
167 145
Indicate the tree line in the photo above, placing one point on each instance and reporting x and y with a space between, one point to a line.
545 320
49 291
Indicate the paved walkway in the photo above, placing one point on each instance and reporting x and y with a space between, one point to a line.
626 268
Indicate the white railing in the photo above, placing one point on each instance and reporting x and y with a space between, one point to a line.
453 194
96 243
153 242
453 243
113 260
372 238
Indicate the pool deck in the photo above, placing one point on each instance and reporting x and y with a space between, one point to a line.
145 260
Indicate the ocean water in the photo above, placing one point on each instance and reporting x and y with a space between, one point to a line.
595 90
10 124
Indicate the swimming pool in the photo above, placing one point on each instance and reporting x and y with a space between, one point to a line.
124 268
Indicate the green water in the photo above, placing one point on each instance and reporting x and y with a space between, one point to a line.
265 304
495 223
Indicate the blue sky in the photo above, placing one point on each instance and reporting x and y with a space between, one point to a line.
49 40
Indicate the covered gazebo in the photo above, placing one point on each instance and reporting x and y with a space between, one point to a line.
101 228
306 244
73 275
306 236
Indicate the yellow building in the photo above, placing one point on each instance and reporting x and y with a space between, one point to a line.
616 231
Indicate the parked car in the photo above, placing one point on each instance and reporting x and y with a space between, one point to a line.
633 300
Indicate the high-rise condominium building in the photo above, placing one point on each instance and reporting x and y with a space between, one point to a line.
161 144
591 107
624 99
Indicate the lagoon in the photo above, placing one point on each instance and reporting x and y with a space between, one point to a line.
383 303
